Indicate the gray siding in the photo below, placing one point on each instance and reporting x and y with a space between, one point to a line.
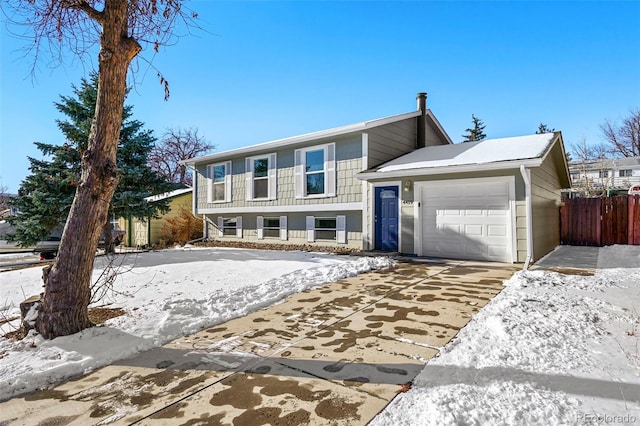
348 188
391 141
296 228
406 221
396 139
432 135
545 200
521 229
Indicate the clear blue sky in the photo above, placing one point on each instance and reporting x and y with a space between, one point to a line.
259 71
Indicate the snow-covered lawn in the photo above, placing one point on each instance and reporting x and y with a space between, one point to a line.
166 295
550 349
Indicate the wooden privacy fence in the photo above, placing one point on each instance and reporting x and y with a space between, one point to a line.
600 221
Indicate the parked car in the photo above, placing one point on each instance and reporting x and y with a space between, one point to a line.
635 189
47 248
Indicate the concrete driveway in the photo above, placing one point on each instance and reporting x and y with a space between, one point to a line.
334 355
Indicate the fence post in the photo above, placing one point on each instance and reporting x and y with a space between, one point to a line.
633 224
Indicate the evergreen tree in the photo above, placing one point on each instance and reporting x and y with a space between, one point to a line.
477 132
543 128
45 196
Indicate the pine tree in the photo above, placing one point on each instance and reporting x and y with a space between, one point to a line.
476 133
45 196
543 128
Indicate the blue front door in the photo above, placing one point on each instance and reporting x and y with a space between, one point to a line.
386 218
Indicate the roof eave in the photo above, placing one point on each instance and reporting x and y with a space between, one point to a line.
167 195
439 126
307 137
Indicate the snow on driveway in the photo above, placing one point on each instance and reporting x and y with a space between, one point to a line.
550 349
166 294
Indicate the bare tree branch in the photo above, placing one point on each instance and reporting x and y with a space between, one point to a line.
177 145
624 139
84 6
73 26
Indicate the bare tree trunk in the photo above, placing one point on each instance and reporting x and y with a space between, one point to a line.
64 309
183 173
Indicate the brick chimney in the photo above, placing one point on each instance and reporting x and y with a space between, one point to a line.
421 139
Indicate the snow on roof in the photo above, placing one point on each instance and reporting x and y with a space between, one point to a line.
166 195
481 152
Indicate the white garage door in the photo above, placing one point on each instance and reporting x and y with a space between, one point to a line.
467 219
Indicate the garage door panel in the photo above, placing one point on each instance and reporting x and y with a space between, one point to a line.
496 231
466 220
473 230
497 251
447 228
497 210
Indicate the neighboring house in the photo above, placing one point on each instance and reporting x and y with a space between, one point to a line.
146 233
5 209
359 186
303 189
496 199
604 176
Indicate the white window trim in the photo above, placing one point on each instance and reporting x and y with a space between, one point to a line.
341 228
272 177
238 226
282 227
329 171
227 182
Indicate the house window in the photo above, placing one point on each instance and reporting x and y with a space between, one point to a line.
604 173
327 229
626 173
271 227
230 226
219 182
315 171
261 177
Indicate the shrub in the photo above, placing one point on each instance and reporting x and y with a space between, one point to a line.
180 229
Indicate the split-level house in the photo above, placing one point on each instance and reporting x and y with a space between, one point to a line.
396 184
304 189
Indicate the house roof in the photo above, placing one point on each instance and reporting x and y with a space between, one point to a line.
488 154
322 134
166 195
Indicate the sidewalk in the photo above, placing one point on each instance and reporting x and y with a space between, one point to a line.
333 355
591 258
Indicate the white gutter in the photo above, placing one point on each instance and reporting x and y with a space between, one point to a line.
529 220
